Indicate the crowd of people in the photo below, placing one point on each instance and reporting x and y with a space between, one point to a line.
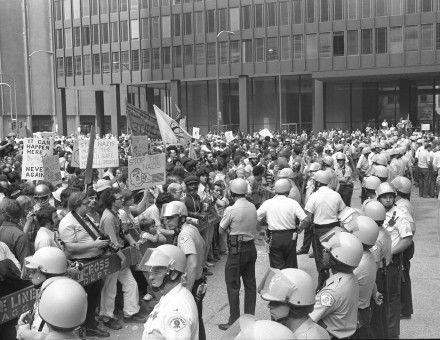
217 199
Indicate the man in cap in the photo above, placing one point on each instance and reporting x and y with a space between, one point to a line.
281 214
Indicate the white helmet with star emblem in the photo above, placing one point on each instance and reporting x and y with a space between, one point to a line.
344 247
166 255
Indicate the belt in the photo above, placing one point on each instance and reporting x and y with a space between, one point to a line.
87 258
396 260
247 242
282 231
330 225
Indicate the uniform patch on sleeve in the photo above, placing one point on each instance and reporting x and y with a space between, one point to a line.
327 299
183 238
177 323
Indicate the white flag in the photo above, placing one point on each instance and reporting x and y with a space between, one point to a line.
172 133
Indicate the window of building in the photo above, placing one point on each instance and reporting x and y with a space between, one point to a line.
222 19
114 32
396 41
134 29
427 32
113 6
76 36
411 6
105 60
284 13
78 65
198 18
246 51
325 10
96 63
155 27
426 5
234 51
86 35
411 38
367 41
381 40
125 61
177 56
144 5
145 54
272 49
210 53
59 38
123 30
246 17
310 11
165 3
352 9
69 67
437 37
67 13
144 28
135 59
296 12
366 8
223 52
87 63
176 25
298 46
338 43
68 37
134 5
58 15
396 7
382 8
259 49
258 17
285 47
104 10
200 54
311 46
188 55
155 3
339 9
187 23
95 34
234 19
210 21
271 14
76 9
124 5
352 42
324 45
166 26
166 57
115 62
104 33
60 67
85 8
95 9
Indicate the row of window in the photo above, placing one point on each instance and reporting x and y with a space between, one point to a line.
269 14
393 40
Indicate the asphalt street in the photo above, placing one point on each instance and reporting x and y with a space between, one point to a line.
425 275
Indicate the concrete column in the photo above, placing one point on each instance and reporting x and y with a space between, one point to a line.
99 104
149 95
78 110
175 97
404 101
243 97
118 109
63 112
318 119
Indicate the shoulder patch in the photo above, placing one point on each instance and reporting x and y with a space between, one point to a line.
183 238
327 299
177 323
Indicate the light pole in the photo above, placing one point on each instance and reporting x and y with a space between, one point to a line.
10 104
280 109
54 102
217 76
15 93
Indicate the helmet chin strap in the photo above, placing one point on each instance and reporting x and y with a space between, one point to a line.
166 279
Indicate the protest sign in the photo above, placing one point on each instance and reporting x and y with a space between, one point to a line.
265 133
229 136
146 171
425 127
196 132
140 146
34 149
51 169
75 154
105 153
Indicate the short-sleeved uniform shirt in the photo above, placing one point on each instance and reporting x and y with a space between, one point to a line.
310 330
192 243
382 248
175 316
337 305
325 204
241 218
401 229
366 276
281 213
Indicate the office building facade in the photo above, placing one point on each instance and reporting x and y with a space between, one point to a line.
297 64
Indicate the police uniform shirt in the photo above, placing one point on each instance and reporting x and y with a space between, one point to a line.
382 248
281 213
401 228
344 175
191 243
325 204
310 330
337 305
175 316
363 164
241 218
366 276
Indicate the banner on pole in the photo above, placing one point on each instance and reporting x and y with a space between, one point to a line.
34 149
105 153
51 169
140 146
141 122
146 171
171 132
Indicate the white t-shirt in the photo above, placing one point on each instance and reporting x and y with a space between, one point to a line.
325 204
281 213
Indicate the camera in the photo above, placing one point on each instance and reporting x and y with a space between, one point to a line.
111 246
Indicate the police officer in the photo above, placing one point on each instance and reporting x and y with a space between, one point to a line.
322 208
369 186
401 238
281 213
343 172
47 262
336 304
327 166
291 297
175 316
240 222
61 312
192 244
294 192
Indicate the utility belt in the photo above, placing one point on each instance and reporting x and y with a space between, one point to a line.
396 260
284 231
329 225
287 232
345 185
199 288
236 243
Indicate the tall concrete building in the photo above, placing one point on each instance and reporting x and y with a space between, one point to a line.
249 64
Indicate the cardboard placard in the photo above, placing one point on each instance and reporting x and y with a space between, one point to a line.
75 154
425 127
105 153
34 149
196 132
51 169
140 146
146 171
265 133
229 136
